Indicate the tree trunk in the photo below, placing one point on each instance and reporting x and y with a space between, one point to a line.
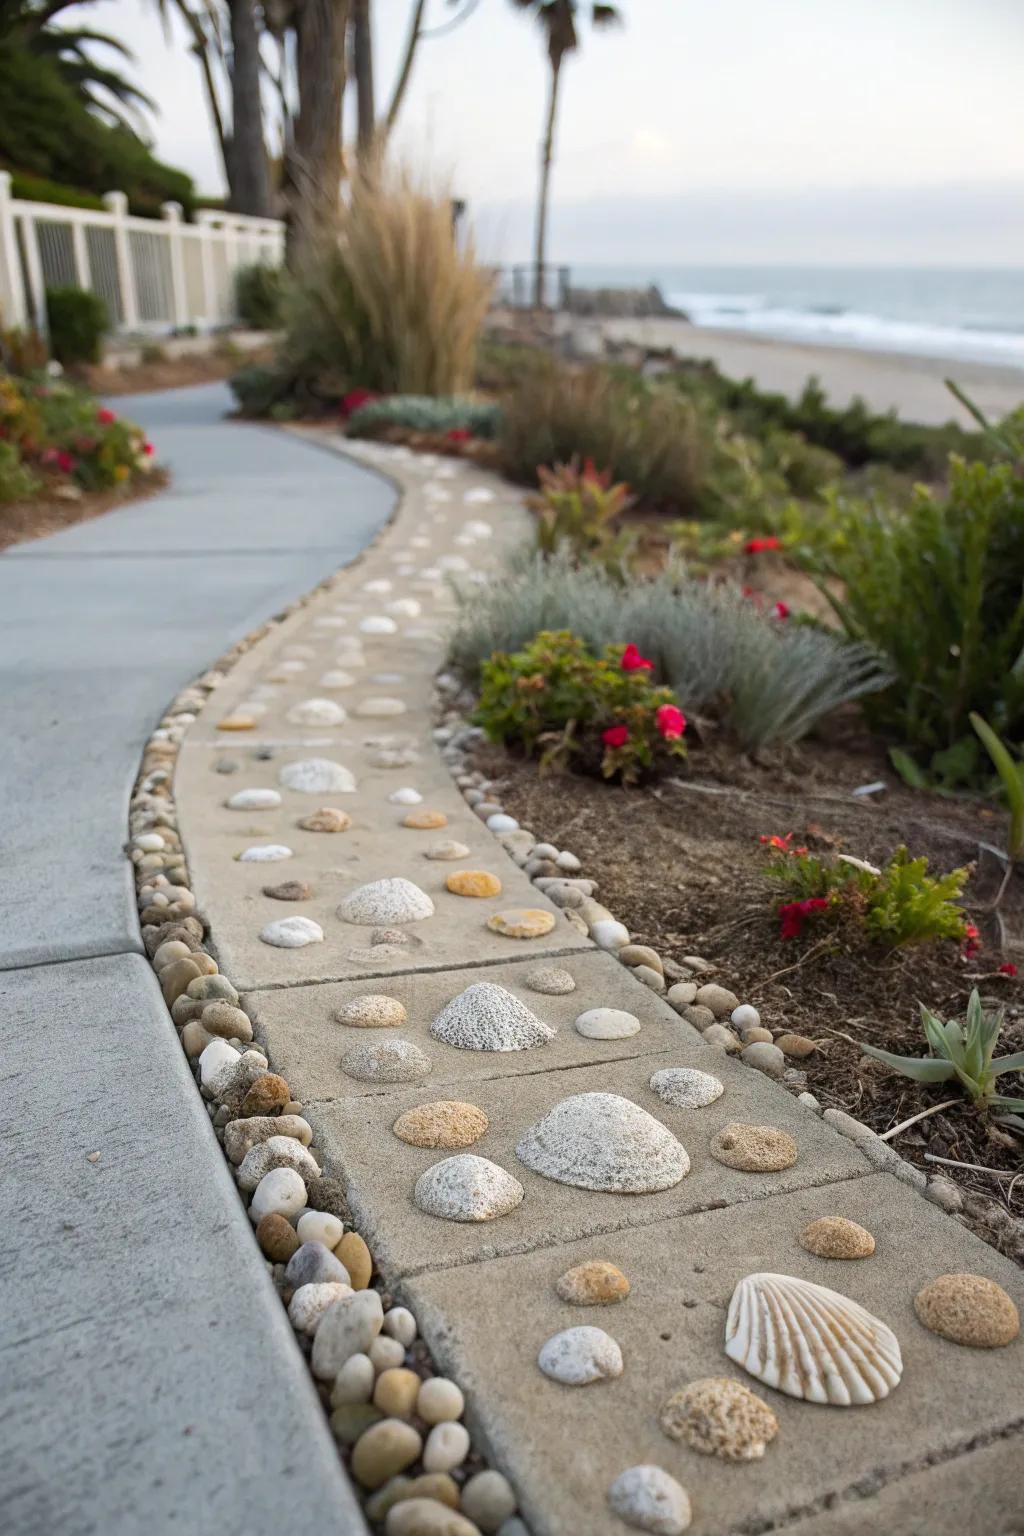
362 66
546 156
314 164
405 72
249 169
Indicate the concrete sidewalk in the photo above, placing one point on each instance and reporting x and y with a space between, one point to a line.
149 1379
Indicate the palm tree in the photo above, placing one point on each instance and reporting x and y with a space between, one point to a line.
102 89
557 20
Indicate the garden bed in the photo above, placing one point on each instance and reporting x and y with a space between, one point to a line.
25 520
681 864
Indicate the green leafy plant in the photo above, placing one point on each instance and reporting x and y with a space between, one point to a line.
17 482
963 1052
896 905
580 508
435 414
558 700
1011 774
259 296
77 321
60 439
938 588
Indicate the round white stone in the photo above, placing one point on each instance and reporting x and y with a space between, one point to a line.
578 1356
603 1141
467 1188
281 1191
487 1017
478 496
276 1152
373 708
354 1382
216 1057
400 1324
609 933
745 1016
406 608
440 1400
447 1447
336 678
347 1328
310 1302
649 1499
405 796
446 848
378 624
478 529
254 800
384 902
386 1061
265 853
317 776
320 1227
149 842
686 1087
386 1354
607 1024
316 712
292 933
379 584
499 822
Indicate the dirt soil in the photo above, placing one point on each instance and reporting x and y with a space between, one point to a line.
21 521
172 372
681 864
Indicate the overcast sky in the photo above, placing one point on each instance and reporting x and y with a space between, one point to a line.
812 131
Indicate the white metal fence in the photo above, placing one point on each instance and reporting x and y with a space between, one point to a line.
155 275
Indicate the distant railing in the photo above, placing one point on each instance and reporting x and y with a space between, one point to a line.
155 275
517 286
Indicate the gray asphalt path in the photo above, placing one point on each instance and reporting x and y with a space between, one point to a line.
148 1379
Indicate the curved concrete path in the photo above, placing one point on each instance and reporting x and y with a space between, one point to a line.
130 1396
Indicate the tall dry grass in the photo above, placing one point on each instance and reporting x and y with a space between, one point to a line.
396 304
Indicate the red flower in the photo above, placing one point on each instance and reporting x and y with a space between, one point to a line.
458 434
794 915
615 736
780 611
65 462
148 449
775 841
105 416
632 661
671 722
760 545
355 398
1008 969
972 941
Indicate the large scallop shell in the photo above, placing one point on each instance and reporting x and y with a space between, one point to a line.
811 1342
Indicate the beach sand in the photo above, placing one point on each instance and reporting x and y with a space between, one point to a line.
913 386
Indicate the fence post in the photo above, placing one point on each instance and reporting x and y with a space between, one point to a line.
34 273
12 285
206 234
171 213
116 204
80 247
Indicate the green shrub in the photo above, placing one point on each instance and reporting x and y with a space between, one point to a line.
556 698
646 437
855 434
77 321
897 905
151 352
938 587
17 482
768 682
259 296
37 189
425 413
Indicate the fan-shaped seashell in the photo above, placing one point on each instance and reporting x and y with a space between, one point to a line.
810 1342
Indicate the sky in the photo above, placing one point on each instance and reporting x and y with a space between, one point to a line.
738 131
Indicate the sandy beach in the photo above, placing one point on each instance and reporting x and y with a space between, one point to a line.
886 380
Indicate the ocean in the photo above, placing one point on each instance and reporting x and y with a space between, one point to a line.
933 312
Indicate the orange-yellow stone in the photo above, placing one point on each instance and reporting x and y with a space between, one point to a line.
522 923
594 1284
425 821
473 882
237 723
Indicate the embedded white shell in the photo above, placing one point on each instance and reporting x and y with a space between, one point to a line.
810 1342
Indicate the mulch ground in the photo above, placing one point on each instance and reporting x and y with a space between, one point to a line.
24 520
681 864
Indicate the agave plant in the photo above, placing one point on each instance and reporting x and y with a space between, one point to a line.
963 1051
